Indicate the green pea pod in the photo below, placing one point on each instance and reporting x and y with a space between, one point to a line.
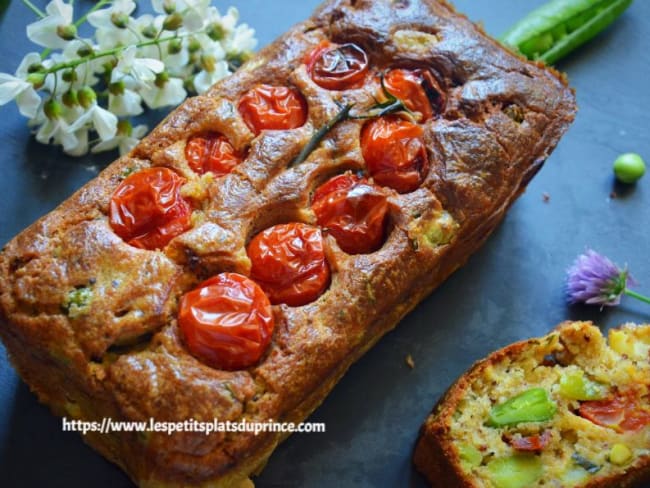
555 29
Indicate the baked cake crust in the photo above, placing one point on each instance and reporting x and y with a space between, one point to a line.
122 355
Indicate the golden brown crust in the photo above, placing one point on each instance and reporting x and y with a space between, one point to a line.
435 455
123 357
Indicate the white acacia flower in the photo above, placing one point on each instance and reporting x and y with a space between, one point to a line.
104 18
175 63
195 14
108 34
77 146
159 5
114 37
57 130
18 88
241 40
171 93
229 20
142 69
98 118
179 5
205 79
80 146
125 104
124 140
44 31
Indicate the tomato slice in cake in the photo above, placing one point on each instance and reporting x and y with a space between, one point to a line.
354 211
623 413
211 152
226 321
337 67
417 88
395 153
147 209
288 261
268 107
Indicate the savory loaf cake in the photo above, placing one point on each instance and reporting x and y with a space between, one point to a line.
266 234
564 410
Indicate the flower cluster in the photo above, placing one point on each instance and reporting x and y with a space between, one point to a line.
79 87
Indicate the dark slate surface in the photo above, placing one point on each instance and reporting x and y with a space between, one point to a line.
511 289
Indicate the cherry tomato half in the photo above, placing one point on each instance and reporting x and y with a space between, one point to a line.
353 211
417 88
288 261
337 67
226 321
622 413
211 152
531 443
267 107
395 154
147 209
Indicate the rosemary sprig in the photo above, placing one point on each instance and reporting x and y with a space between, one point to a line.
320 134
392 105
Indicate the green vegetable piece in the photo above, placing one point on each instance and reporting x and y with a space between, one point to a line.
585 463
78 301
576 386
629 168
520 471
534 405
470 457
569 23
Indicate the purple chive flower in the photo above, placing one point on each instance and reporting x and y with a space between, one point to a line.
595 280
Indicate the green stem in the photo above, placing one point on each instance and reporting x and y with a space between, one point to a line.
34 9
109 52
636 295
316 139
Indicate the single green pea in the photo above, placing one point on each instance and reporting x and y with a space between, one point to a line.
534 405
629 168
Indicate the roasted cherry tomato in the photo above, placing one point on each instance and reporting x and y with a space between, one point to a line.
147 209
395 154
353 211
211 153
288 261
267 107
226 321
531 443
417 88
337 67
622 413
